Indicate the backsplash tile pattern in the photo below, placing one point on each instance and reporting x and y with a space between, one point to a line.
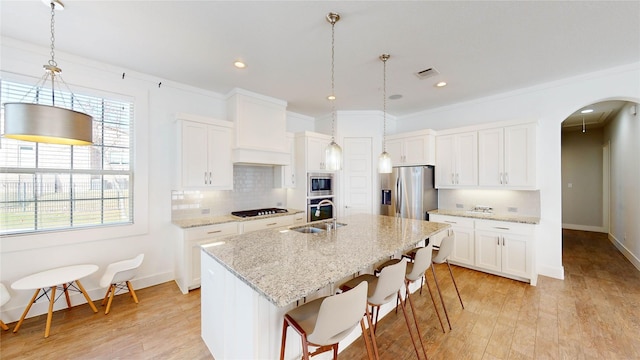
517 202
252 188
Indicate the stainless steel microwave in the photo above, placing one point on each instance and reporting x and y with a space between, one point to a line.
320 184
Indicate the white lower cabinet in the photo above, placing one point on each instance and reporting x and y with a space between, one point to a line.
505 247
497 247
187 267
463 250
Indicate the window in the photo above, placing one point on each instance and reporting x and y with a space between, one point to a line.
46 187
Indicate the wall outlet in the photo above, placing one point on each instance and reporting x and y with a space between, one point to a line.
459 206
205 211
512 209
279 203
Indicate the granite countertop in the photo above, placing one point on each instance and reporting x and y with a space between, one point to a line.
488 216
285 265
215 220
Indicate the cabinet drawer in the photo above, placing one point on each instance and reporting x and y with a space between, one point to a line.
505 227
204 232
268 223
453 220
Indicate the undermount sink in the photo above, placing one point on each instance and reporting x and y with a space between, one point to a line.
316 227
325 226
308 230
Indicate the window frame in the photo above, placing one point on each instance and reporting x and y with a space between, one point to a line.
138 93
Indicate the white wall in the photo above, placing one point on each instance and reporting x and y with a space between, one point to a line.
155 166
549 104
624 134
582 180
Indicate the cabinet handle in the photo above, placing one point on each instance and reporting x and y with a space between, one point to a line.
501 228
205 178
498 240
501 177
506 178
453 178
210 177
271 224
214 232
299 219
450 222
503 241
457 178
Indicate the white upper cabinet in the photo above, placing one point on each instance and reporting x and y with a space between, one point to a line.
416 148
204 147
457 160
507 157
316 144
260 128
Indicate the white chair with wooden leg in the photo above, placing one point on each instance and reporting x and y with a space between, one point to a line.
416 270
383 289
117 276
4 298
442 256
324 322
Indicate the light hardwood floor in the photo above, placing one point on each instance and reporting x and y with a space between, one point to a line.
593 314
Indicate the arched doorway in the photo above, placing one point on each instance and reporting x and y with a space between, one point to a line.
601 173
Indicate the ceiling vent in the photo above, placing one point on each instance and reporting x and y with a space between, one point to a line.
427 73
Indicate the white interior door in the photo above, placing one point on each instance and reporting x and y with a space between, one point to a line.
358 178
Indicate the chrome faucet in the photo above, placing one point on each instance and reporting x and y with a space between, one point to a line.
333 207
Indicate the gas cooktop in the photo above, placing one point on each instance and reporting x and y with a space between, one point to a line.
258 212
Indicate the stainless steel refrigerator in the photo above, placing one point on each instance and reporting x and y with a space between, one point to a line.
408 192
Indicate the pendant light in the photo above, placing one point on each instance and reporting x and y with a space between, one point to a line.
48 123
333 152
384 161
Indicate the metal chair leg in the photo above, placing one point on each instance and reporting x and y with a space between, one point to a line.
454 283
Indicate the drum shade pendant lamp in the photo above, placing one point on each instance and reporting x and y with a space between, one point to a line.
333 152
48 123
384 161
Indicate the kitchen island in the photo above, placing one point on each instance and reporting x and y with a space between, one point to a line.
249 281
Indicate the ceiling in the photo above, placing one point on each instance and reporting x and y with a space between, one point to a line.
480 48
602 113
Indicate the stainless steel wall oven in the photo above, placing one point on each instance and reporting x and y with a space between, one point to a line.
326 211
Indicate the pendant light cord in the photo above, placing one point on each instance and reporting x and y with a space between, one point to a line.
384 106
52 62
333 102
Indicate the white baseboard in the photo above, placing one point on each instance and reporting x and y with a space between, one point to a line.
13 314
623 249
599 229
551 271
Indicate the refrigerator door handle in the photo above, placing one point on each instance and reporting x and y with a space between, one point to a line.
398 196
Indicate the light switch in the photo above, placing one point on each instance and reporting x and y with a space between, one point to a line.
570 185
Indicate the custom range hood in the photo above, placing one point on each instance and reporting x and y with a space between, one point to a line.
260 128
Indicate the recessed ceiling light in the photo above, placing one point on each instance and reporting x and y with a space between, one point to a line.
441 84
395 97
239 64
586 111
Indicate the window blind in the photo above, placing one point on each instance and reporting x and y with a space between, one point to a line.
45 187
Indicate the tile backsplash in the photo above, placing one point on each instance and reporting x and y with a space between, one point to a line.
517 202
252 188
